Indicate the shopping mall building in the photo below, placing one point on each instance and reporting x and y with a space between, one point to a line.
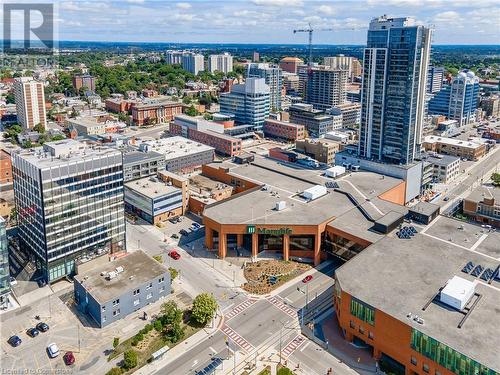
300 213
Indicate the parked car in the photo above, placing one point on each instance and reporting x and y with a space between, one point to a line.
52 350
173 220
307 279
446 199
42 327
184 232
14 341
32 332
175 235
174 255
196 225
69 358
12 281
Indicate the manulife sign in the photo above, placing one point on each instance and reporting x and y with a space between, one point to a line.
276 232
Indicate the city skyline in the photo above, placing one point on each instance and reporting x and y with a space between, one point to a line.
268 21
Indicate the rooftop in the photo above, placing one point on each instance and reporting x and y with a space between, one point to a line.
488 192
54 154
150 187
443 160
173 147
402 276
285 183
138 269
135 156
451 141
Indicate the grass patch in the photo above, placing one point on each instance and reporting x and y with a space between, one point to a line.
266 371
283 370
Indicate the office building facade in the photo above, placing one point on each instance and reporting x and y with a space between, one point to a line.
4 265
30 103
69 199
457 101
435 79
395 70
273 78
222 63
138 164
349 63
316 122
248 102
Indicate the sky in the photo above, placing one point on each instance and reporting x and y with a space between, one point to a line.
269 21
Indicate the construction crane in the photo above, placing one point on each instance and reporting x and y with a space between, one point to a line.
310 30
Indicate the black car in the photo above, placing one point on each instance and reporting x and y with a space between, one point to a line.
184 232
33 332
15 341
42 327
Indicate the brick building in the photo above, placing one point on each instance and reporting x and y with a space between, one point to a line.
155 112
283 130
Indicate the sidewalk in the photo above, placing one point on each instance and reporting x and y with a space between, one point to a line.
181 348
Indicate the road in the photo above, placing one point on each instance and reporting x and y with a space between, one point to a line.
257 330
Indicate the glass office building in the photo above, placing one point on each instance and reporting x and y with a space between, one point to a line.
69 199
395 70
273 75
4 265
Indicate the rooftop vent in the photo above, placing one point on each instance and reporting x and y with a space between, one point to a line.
457 292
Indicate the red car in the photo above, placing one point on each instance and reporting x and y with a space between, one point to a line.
174 255
307 279
69 358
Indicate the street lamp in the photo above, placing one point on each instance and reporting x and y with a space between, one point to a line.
306 296
281 335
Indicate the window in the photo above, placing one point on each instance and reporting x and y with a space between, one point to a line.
136 292
116 312
136 302
149 286
149 296
103 308
162 289
116 302
160 280
413 361
351 324
425 367
361 330
437 372
362 311
370 335
104 319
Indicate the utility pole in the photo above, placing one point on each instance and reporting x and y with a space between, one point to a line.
79 343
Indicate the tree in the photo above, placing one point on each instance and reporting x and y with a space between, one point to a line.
158 326
39 128
74 113
115 371
204 307
171 314
57 137
129 359
158 258
10 98
116 341
176 333
285 371
186 100
27 144
173 273
191 111
496 179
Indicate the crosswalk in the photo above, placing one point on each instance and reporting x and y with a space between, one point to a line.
277 302
236 338
293 345
238 309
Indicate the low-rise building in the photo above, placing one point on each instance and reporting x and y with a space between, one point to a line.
138 164
5 171
483 205
181 154
316 121
155 112
154 200
322 150
454 147
86 125
491 106
351 114
283 130
445 168
110 291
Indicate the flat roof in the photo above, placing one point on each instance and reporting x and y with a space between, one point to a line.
150 188
174 147
425 208
451 141
135 156
444 160
399 276
67 151
138 269
285 183
488 192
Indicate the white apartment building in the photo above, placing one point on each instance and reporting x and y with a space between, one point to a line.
223 63
193 62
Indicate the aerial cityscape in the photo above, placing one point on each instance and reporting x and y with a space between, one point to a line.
253 187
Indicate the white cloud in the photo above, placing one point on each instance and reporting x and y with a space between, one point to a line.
279 3
326 9
135 1
183 5
450 16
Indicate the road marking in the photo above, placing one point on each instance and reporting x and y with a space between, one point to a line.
212 350
305 346
281 306
478 242
295 343
462 247
237 338
239 309
195 362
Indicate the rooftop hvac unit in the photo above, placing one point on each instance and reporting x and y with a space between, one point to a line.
457 292
281 205
119 269
112 275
